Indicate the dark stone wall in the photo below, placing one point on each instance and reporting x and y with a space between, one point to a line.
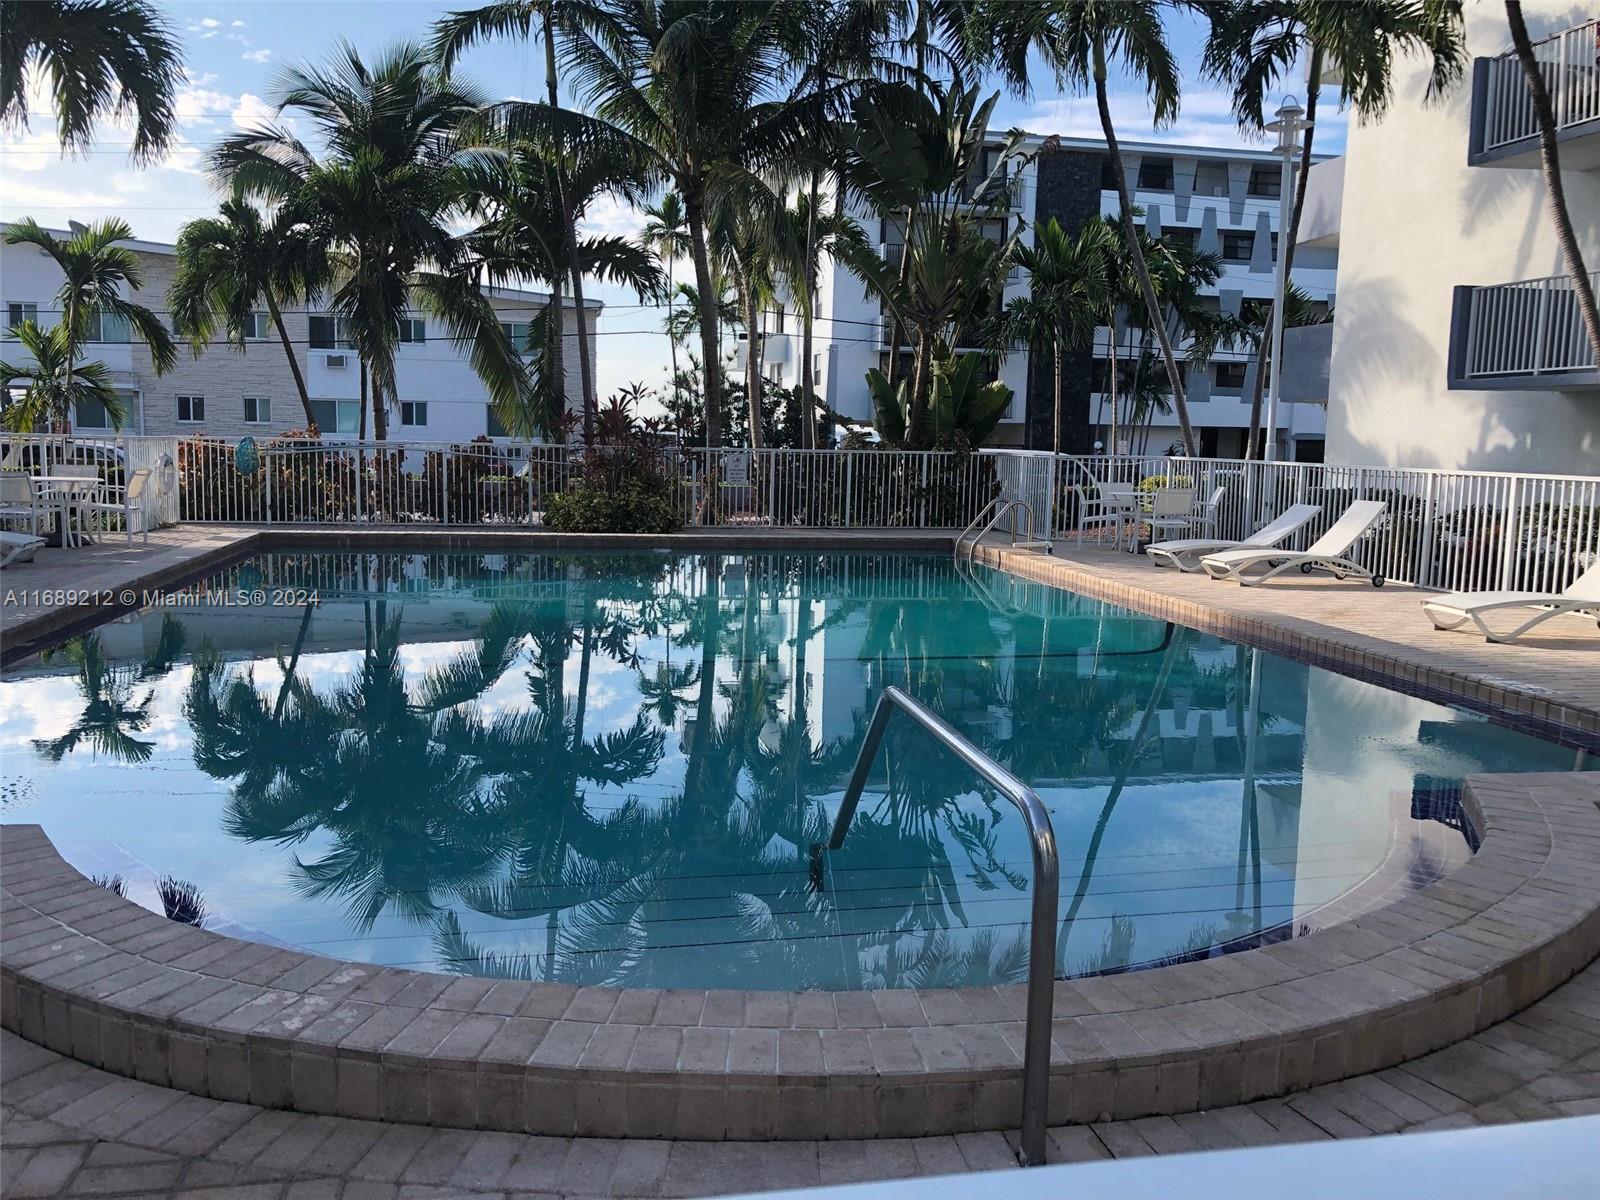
1068 189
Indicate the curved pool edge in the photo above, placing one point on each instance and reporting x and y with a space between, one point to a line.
96 977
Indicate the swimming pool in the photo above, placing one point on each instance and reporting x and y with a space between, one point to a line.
610 768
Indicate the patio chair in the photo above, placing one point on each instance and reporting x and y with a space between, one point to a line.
129 502
17 499
17 547
1582 595
1186 553
1328 553
1205 515
1171 511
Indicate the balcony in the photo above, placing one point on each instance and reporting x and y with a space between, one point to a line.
1324 209
1504 131
1527 335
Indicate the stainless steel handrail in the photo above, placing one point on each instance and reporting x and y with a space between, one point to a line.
1046 884
1009 506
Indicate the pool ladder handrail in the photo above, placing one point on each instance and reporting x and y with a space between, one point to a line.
1046 885
1030 539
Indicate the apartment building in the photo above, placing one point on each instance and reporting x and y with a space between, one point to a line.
229 392
1221 201
1457 342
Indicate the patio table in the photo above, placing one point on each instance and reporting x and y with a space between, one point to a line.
65 493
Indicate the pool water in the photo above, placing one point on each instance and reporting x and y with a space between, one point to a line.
611 769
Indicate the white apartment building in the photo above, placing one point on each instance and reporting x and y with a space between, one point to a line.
1224 201
1456 342
227 392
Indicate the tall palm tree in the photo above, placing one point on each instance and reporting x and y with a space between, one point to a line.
1079 40
523 235
1550 164
455 33
95 272
383 198
1253 44
100 58
666 235
229 264
700 90
1069 285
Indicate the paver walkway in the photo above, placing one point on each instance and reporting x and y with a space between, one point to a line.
71 1130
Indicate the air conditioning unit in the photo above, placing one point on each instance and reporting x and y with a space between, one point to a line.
338 361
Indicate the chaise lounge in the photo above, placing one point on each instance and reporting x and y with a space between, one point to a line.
1186 553
1582 595
1330 552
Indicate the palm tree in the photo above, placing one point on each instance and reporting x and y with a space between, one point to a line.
382 198
54 387
1079 39
1550 163
227 265
96 271
666 235
519 193
454 34
642 66
100 58
1068 291
1252 44
111 714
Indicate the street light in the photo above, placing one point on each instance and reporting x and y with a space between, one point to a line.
1289 125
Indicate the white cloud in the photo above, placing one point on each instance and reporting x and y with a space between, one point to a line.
1205 118
210 22
252 112
259 56
237 24
199 104
608 216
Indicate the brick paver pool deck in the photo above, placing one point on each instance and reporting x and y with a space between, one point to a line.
72 1129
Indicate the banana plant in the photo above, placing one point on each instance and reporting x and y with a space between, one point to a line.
962 411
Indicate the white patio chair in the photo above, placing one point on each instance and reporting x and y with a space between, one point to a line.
129 502
1206 514
1171 511
17 547
1582 595
1186 553
17 499
1328 553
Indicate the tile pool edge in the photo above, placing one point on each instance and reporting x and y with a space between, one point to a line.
91 975
1509 702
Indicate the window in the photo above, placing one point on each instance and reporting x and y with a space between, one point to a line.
1229 376
495 427
191 409
1237 247
1266 181
816 368
1256 312
257 327
108 327
91 414
1155 174
17 312
413 412
517 332
329 332
257 410
1179 236
337 416
413 329
777 318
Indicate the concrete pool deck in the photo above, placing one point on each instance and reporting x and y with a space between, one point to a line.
1550 685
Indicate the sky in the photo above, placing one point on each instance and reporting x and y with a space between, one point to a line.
233 53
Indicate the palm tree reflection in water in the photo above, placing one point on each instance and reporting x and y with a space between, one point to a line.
540 838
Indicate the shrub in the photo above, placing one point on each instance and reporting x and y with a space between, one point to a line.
595 506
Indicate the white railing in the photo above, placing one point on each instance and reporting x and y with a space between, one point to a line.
116 456
1444 529
1532 327
1570 62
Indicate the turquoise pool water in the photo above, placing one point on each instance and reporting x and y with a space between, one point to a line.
607 768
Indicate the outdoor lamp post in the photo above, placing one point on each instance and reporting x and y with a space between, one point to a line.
1288 127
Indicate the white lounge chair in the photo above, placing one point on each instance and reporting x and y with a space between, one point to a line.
17 547
17 501
1328 553
1186 553
1456 609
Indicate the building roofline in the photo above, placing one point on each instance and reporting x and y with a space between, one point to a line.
1167 149
168 250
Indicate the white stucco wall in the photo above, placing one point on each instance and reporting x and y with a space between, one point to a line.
1417 221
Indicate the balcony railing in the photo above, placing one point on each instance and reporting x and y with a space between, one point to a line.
1570 62
1528 329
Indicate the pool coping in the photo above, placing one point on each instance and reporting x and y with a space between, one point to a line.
92 975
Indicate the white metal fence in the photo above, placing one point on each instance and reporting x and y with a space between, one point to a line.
1443 529
1532 327
1570 62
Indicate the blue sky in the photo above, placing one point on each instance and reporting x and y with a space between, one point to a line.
234 52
